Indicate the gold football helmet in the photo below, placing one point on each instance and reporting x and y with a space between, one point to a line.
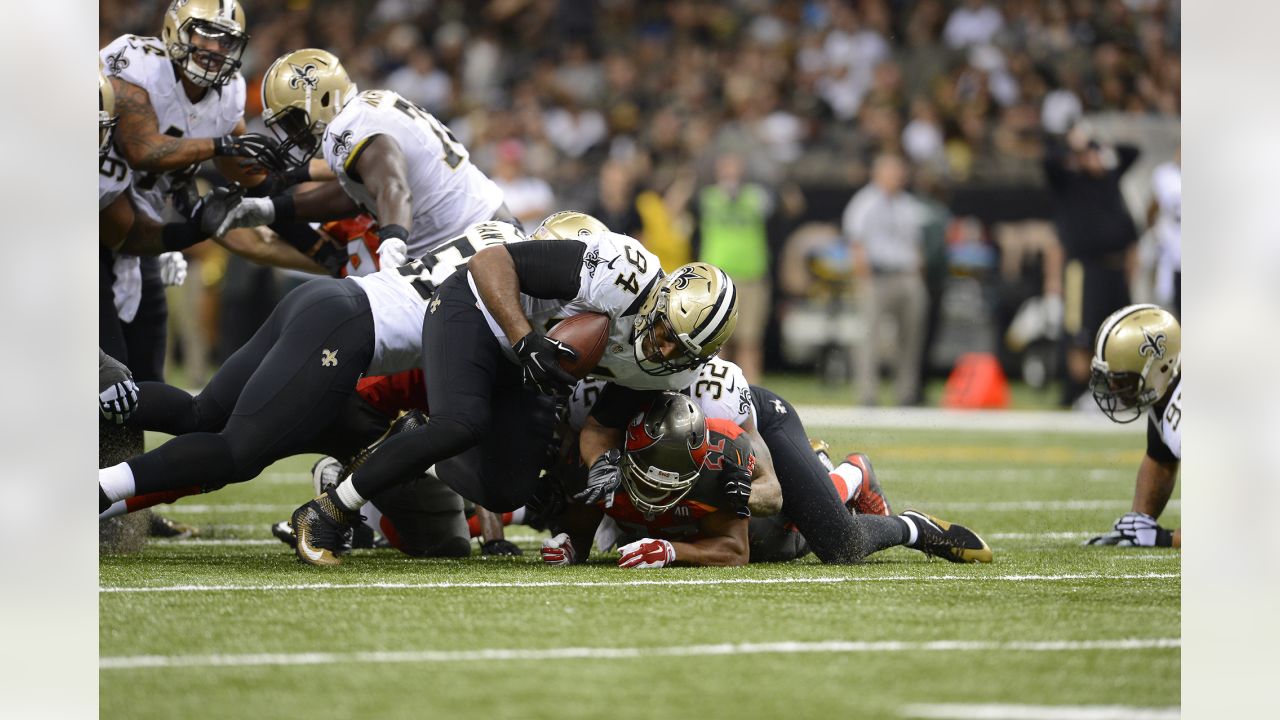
567 224
665 449
106 112
697 307
220 25
302 92
1137 354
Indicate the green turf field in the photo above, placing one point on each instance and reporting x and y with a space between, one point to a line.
231 626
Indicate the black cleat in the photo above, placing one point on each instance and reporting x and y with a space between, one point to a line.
284 533
948 541
323 530
162 527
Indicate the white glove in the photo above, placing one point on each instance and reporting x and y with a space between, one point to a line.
647 553
1135 529
249 212
118 402
392 252
558 550
173 268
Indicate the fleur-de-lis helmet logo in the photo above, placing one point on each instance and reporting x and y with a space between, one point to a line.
304 75
686 276
1153 344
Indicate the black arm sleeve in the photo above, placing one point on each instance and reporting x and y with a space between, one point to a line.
1156 449
616 404
548 269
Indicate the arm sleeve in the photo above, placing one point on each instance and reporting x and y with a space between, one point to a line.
1156 449
617 404
549 269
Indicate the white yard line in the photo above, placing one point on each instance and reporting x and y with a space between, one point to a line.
621 653
997 711
936 419
977 576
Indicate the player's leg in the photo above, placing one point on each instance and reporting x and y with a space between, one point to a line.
145 334
300 388
424 518
772 539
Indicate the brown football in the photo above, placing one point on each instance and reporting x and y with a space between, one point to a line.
587 334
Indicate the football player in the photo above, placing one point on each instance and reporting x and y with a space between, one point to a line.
489 368
392 160
1136 371
683 499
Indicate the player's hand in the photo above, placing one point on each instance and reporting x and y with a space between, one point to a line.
118 402
173 268
1135 529
558 550
392 252
603 478
263 150
212 208
647 553
736 481
500 546
248 212
539 356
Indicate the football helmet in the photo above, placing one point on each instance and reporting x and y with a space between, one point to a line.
302 92
106 112
1137 354
697 307
567 224
221 21
666 445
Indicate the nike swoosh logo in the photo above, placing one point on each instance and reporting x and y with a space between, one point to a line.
732 385
316 555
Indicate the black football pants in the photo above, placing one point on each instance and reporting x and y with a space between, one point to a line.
139 343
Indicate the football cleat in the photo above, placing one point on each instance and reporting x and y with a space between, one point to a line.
362 537
162 527
822 449
948 541
326 473
323 530
284 533
869 497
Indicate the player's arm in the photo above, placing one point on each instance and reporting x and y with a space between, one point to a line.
766 491
114 222
381 164
722 542
1156 480
261 245
140 141
547 269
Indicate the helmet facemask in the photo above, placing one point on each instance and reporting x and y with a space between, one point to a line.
666 445
208 67
652 490
299 137
647 344
1122 396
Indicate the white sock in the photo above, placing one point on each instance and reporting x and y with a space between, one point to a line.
852 476
348 496
372 517
517 516
117 482
912 529
118 507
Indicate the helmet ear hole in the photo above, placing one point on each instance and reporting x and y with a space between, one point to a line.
324 100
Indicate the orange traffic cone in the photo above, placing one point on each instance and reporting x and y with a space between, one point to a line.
976 382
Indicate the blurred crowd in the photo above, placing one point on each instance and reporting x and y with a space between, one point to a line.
636 112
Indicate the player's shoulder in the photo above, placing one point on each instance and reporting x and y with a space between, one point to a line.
723 427
136 59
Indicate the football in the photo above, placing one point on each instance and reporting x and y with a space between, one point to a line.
587 334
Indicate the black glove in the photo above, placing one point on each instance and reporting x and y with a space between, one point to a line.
540 357
603 478
545 506
500 547
736 481
213 207
262 149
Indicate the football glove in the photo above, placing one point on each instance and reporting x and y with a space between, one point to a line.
261 149
736 481
212 208
1135 529
248 212
647 553
500 547
173 268
603 478
392 252
539 356
558 550
118 402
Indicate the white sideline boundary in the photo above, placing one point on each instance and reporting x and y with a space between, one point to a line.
129 662
1000 711
1064 421
630 583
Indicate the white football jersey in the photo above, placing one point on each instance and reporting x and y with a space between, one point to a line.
721 391
398 296
1166 185
143 61
449 193
1168 424
113 179
617 274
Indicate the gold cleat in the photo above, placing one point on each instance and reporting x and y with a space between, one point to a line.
949 541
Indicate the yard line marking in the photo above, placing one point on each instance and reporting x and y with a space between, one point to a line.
1026 421
1016 505
215 541
593 653
1040 536
629 583
198 509
997 711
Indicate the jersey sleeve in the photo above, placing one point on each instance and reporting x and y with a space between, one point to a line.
134 59
1156 448
617 273
722 391
349 134
581 400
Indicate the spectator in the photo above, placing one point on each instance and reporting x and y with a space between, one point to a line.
1165 217
421 82
732 217
975 22
885 225
1099 241
529 198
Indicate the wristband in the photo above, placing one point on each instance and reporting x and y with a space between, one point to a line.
299 174
285 208
179 236
387 232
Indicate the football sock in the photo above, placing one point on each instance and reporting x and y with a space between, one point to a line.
116 508
847 479
508 518
372 517
913 531
116 482
347 495
517 517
